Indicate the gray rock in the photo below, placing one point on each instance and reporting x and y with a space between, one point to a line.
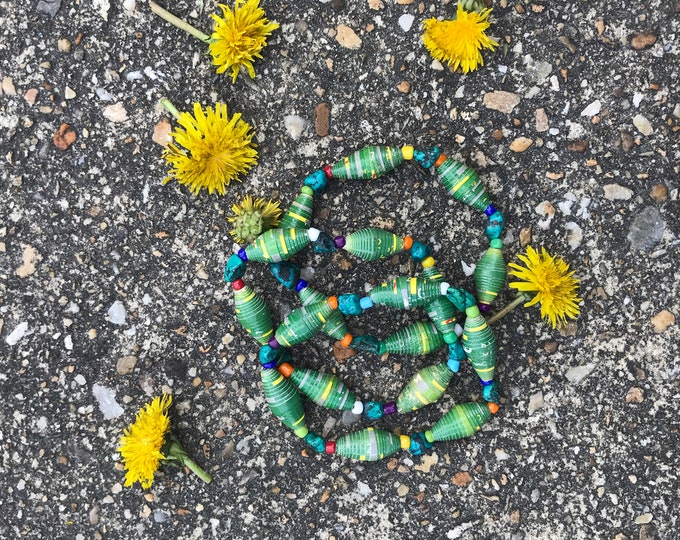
647 229
50 7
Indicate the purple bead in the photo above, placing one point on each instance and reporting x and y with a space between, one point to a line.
301 284
273 343
484 308
390 407
242 254
490 210
339 242
269 365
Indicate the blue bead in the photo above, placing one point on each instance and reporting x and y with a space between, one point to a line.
234 269
269 365
419 251
349 304
316 442
317 181
268 354
301 284
453 364
242 254
373 410
418 444
286 273
426 158
490 210
491 393
366 302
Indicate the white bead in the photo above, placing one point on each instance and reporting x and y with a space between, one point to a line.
358 407
313 234
443 288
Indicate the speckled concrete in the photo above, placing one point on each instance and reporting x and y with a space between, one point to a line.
586 442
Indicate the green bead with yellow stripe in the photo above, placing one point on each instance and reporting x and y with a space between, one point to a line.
335 325
479 344
276 245
299 215
490 273
253 314
463 184
284 401
323 389
372 244
426 387
405 292
462 421
369 444
416 338
367 163
303 322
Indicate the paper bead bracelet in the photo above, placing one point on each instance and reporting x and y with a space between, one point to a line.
443 303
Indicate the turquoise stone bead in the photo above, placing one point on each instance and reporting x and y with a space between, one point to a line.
324 244
373 410
426 158
316 442
235 268
419 444
419 251
286 273
460 298
456 356
350 304
495 226
366 343
491 393
317 181
268 354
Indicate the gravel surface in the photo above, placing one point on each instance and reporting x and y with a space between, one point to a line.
111 285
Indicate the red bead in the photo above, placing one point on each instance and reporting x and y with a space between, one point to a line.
238 284
330 447
328 171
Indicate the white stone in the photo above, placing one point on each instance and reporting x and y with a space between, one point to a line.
468 269
68 342
103 94
363 489
129 5
615 192
295 125
575 236
637 99
643 125
107 401
594 108
406 21
578 373
115 112
117 313
536 402
19 332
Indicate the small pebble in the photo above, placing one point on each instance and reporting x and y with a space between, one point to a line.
520 144
643 125
635 395
126 364
594 108
69 93
64 137
536 402
461 479
8 86
643 518
402 490
542 123
627 141
662 320
659 193
295 125
579 373
577 146
347 37
616 192
117 313
501 101
404 87
161 133
406 21
647 229
115 112
642 41
322 114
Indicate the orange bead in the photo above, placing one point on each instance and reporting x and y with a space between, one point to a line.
493 407
345 341
441 159
333 302
285 369
408 242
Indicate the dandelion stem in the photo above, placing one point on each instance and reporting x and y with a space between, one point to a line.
173 452
521 298
167 104
179 23
193 466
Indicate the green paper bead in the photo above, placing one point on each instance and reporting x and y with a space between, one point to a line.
443 314
367 163
479 344
368 444
433 274
490 273
284 401
416 338
463 184
302 323
426 387
323 389
299 215
371 244
253 314
335 325
461 421
405 292
277 245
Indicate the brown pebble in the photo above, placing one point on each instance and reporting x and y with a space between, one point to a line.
642 41
659 193
520 144
662 320
635 395
599 25
342 353
514 516
627 141
64 137
404 87
64 45
519 8
161 132
577 146
497 134
525 236
569 329
338 5
550 347
461 479
126 364
322 119
31 95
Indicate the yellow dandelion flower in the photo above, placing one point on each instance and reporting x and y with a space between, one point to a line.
140 446
210 149
239 36
458 42
147 444
555 286
252 217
